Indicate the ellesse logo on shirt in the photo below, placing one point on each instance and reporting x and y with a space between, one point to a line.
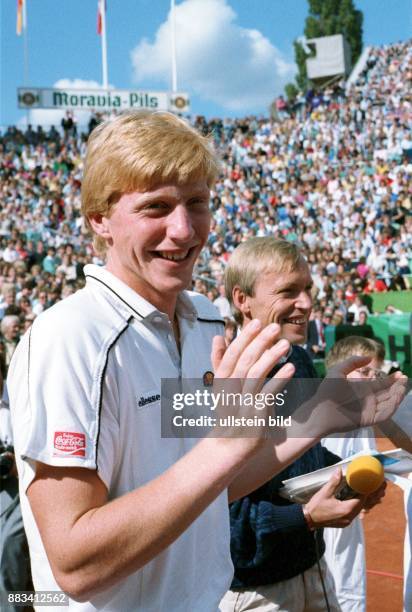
69 443
148 398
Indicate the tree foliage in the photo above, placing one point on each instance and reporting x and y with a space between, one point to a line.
291 91
328 17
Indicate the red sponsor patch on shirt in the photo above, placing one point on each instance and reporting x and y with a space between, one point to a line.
70 443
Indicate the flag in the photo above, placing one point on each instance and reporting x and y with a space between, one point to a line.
101 6
19 23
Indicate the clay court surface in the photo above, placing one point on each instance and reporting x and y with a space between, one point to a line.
384 531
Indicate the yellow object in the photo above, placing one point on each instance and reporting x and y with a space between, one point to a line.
365 474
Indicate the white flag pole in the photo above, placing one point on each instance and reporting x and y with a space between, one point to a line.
26 53
173 41
104 44
25 44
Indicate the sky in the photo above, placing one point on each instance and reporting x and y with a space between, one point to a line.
233 56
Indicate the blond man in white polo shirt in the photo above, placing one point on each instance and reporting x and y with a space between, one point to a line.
117 517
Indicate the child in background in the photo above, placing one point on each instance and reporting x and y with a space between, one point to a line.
345 548
404 421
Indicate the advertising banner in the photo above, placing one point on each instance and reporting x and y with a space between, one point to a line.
100 99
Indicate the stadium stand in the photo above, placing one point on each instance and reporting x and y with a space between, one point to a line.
331 170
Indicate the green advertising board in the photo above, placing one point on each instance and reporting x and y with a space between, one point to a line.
377 302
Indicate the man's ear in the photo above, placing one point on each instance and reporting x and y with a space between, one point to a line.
241 302
100 225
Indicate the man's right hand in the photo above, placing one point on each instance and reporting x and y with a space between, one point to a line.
327 511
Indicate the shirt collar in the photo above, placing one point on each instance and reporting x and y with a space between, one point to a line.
135 303
185 307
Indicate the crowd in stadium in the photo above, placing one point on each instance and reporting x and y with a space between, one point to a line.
331 171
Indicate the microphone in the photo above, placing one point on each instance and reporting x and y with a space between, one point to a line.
364 475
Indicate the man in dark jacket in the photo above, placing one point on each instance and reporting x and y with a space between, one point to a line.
275 544
316 335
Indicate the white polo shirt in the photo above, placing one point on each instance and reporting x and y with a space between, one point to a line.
84 388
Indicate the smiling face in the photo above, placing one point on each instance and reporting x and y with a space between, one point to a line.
283 298
154 238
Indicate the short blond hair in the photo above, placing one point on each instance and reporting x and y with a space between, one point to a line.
138 151
354 345
254 257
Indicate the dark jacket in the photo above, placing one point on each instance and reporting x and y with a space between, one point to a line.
313 338
270 540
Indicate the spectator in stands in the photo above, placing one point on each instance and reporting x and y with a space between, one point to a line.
14 553
8 300
374 284
363 318
10 334
362 268
222 303
53 135
350 293
315 343
337 318
68 125
357 308
49 263
68 267
10 254
398 283
40 303
36 257
24 304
